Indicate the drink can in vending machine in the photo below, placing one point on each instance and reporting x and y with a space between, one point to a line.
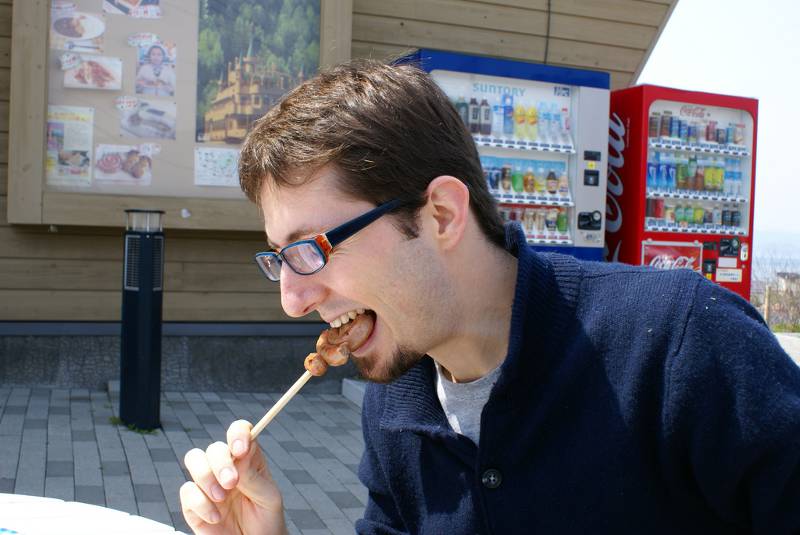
494 179
722 136
666 124
711 132
684 131
551 219
652 175
708 218
699 214
716 215
505 178
663 176
736 218
738 136
731 133
658 208
505 213
675 128
680 215
726 216
692 135
654 124
682 173
669 214
529 220
672 179
540 216
561 220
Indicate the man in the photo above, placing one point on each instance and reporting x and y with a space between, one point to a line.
523 392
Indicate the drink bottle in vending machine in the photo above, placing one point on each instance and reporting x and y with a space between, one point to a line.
681 182
541 133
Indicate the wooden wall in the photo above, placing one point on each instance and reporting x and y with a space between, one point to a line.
74 273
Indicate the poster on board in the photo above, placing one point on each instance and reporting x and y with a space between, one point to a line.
216 167
125 164
76 31
148 119
69 146
138 9
240 41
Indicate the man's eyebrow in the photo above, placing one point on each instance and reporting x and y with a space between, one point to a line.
298 234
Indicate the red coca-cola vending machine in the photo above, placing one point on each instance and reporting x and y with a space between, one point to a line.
681 182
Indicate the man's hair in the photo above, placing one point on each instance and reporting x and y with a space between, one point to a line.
387 130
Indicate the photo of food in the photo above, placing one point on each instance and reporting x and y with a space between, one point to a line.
95 73
142 9
149 119
69 146
123 164
78 32
249 53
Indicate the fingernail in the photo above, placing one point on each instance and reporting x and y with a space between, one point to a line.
214 517
226 475
238 447
217 493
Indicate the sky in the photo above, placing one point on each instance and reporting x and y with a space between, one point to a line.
752 49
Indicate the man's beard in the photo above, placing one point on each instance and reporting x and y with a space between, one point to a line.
373 369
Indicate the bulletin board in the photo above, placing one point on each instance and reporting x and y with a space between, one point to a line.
145 103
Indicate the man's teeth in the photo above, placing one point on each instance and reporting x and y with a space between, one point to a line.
346 317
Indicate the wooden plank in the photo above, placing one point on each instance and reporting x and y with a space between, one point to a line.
458 13
91 274
335 32
4 148
5 20
418 34
27 119
649 50
512 19
602 31
3 117
61 208
51 305
5 83
3 179
592 56
5 52
632 11
378 51
3 211
39 243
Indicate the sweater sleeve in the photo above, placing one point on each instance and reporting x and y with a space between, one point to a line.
732 416
381 516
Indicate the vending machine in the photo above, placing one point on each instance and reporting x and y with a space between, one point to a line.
541 132
681 178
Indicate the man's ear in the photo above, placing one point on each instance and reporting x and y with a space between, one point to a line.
448 205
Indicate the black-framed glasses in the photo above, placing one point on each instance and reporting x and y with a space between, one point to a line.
306 257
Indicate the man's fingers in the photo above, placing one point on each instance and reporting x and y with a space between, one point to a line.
197 508
239 438
221 463
199 468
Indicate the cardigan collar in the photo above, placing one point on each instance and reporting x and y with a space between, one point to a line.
543 299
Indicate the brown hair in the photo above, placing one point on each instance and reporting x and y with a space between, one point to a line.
387 129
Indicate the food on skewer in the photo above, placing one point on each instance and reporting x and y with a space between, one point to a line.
335 344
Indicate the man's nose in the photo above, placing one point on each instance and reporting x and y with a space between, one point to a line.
300 294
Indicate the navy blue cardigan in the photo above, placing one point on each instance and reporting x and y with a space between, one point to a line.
631 400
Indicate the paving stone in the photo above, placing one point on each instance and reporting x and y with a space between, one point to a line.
6 485
178 522
208 419
148 493
162 455
93 494
59 410
115 468
119 494
343 499
319 452
59 468
323 505
155 510
292 446
298 476
339 526
62 488
305 518
15 409
9 455
83 436
35 423
87 465
217 406
353 513
30 471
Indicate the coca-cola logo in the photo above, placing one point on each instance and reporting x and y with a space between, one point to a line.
664 261
616 161
688 110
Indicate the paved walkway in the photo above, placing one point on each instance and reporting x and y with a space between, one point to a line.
62 444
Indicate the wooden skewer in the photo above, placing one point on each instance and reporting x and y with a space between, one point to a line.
279 405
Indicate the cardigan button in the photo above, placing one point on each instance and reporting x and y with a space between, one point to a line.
492 478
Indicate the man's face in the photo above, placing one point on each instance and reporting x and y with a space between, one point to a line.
377 269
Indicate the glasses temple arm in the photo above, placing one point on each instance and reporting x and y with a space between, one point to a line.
344 231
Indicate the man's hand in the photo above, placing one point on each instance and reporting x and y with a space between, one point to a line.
232 491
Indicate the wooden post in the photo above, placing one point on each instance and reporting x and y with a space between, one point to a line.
766 305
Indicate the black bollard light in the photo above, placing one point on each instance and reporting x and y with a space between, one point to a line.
140 344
